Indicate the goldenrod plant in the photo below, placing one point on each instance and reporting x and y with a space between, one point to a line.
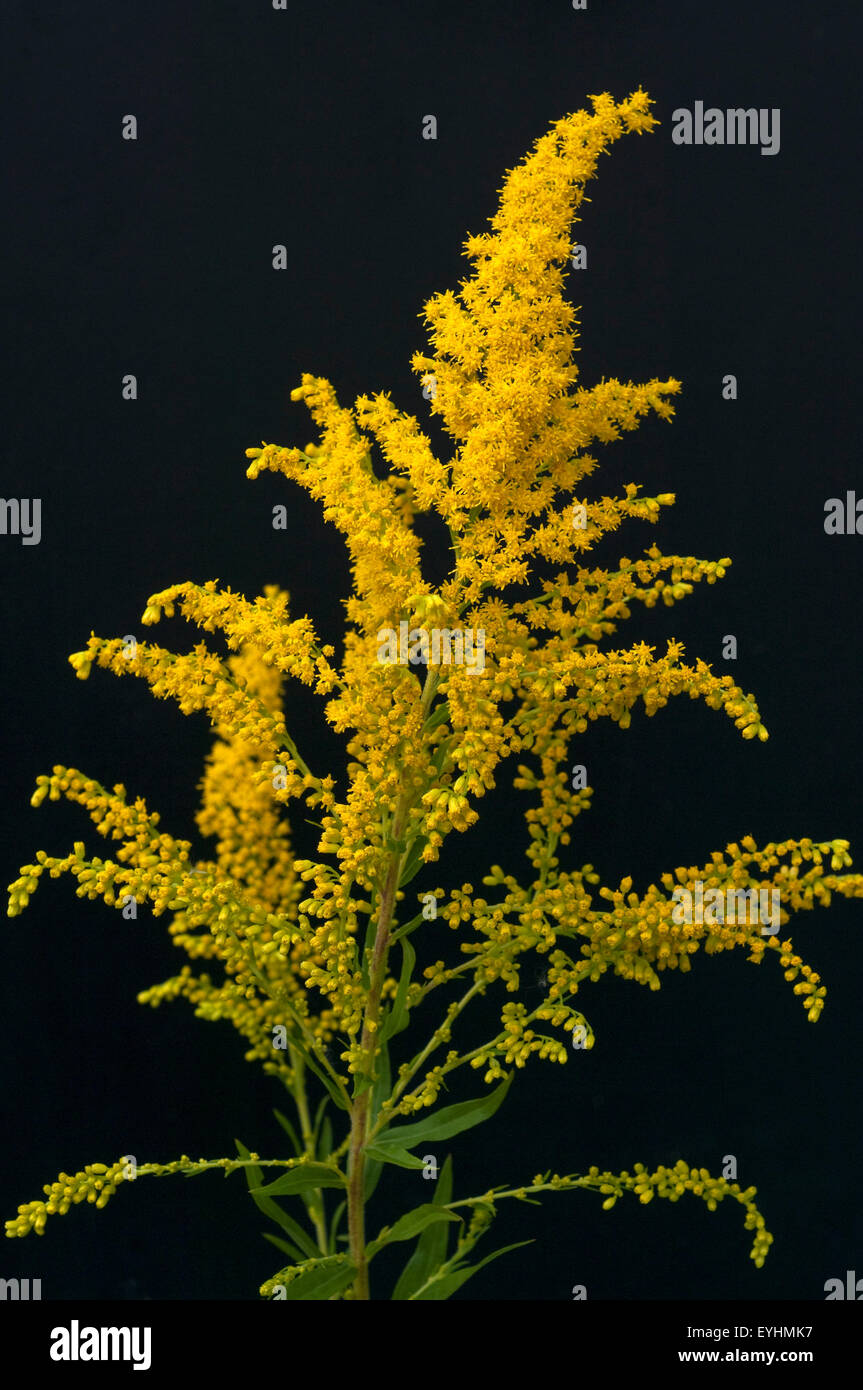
313 960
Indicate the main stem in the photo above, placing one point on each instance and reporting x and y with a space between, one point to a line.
371 1024
362 1106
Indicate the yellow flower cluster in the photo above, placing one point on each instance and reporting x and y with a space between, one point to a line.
289 646
368 511
671 1184
98 1182
95 1184
638 935
240 909
197 680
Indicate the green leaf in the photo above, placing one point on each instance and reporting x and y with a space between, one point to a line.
414 861
430 1253
400 1157
453 1119
442 753
290 1132
397 1019
441 1289
334 1224
284 1245
325 1143
333 1090
361 1085
326 1277
411 1224
304 1175
371 1177
383 1079
316 1126
437 717
408 929
252 1171
382 1088
292 1228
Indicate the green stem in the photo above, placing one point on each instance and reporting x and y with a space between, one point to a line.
371 1022
227 1165
361 1110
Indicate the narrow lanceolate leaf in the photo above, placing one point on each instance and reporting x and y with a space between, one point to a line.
437 717
320 1281
382 1088
302 1243
440 1289
303 1176
453 1119
392 1154
333 1090
334 1224
431 1248
284 1245
317 1125
371 1176
361 1085
368 947
383 1079
398 1016
414 861
410 1225
290 1132
325 1143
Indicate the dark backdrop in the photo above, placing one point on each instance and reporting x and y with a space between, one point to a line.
154 258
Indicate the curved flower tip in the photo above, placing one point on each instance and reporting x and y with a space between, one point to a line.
81 663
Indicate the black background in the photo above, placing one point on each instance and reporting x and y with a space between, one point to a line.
153 257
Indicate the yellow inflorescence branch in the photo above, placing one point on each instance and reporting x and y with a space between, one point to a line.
98 1182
